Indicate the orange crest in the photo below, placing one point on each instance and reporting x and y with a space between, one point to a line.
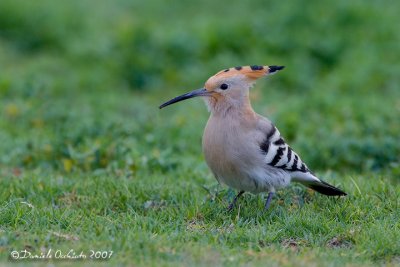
251 72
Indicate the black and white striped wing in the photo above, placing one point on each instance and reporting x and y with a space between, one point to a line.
279 155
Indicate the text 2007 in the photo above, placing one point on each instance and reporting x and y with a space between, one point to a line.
100 254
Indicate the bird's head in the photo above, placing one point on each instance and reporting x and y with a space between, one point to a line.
229 87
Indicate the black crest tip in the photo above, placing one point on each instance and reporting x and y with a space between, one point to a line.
273 69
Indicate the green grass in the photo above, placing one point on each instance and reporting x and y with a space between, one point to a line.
88 162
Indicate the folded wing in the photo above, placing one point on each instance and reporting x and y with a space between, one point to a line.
279 155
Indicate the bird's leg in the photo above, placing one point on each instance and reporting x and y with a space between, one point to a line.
230 207
268 202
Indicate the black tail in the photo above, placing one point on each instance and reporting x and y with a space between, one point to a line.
326 189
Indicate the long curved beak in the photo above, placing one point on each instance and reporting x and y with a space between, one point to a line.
198 92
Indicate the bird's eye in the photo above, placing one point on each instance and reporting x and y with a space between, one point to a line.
223 86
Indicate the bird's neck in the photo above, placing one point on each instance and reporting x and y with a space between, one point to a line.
227 107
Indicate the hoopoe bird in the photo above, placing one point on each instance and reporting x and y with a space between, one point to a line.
244 150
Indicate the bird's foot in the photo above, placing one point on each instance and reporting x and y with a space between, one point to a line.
268 202
232 205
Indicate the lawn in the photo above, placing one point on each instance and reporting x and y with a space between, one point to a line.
89 163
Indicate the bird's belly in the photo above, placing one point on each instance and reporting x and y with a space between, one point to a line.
254 179
244 182
257 181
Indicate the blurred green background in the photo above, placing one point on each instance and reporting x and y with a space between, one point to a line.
81 82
